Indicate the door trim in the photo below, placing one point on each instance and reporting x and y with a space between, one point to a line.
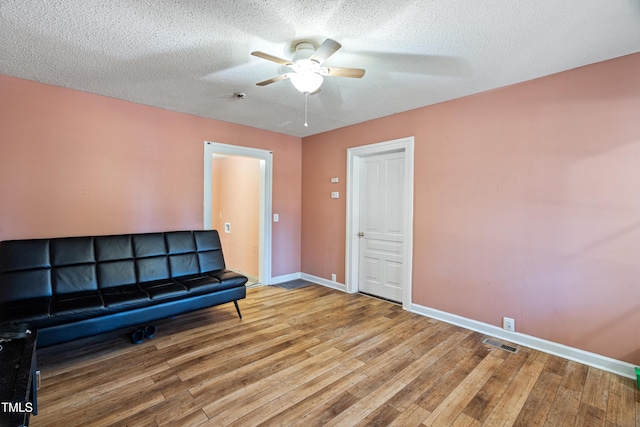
266 183
354 159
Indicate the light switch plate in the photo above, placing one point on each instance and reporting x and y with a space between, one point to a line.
335 195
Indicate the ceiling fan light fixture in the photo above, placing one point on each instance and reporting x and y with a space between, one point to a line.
306 81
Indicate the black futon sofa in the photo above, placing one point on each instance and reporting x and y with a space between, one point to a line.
75 287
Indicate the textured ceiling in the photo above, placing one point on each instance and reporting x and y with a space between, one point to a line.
192 55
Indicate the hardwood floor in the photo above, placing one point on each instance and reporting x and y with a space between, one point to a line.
316 356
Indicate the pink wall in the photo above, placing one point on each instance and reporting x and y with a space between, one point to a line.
237 190
527 204
526 197
73 163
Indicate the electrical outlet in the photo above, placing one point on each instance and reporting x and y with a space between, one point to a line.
333 277
508 324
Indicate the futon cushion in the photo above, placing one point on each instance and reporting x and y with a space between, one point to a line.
74 278
27 284
164 289
230 278
25 310
77 305
184 264
152 269
210 261
209 251
24 270
207 240
180 242
72 250
149 244
118 296
116 273
114 248
199 283
16 255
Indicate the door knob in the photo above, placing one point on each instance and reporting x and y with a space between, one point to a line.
361 234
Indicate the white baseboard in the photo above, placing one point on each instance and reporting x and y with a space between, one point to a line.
315 279
323 282
608 364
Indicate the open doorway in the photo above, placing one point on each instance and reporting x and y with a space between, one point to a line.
237 203
235 211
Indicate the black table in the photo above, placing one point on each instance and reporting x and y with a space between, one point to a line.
18 381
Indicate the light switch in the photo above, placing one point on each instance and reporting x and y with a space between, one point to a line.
276 217
335 180
227 227
335 195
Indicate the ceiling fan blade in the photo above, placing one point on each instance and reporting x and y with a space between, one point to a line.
342 72
271 58
275 79
326 49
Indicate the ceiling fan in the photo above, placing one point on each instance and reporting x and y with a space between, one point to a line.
307 72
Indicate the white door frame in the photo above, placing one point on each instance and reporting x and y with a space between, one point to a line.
265 227
354 159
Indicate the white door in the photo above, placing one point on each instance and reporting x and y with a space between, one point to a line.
382 225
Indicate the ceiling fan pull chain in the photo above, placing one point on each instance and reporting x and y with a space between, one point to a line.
306 97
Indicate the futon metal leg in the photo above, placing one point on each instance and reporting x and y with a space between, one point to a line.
238 309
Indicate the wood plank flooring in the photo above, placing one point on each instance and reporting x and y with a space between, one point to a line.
316 356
